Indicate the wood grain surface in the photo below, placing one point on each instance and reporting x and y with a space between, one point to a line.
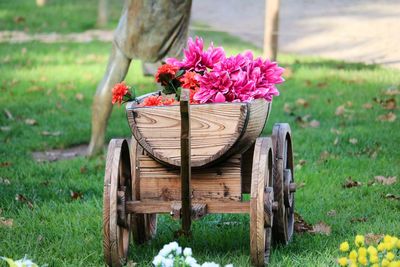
217 130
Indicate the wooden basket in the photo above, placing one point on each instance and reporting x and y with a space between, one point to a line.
217 130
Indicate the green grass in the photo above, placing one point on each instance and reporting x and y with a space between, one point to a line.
40 81
62 16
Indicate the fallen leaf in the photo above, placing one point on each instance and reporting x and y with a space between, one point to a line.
385 181
392 91
390 117
6 222
340 110
287 108
321 228
321 85
131 264
392 196
336 131
83 169
336 141
324 155
331 213
371 238
353 141
30 122
79 96
47 133
5 164
314 124
367 106
5 128
389 104
23 50
349 183
4 181
21 198
302 102
8 114
300 225
76 195
355 220
19 19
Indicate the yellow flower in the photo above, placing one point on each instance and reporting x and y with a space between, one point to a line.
374 258
354 265
389 245
398 244
342 261
353 255
390 256
394 264
375 265
344 246
359 241
387 238
385 263
362 260
381 247
372 250
362 252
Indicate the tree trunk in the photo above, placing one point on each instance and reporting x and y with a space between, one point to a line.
271 28
102 15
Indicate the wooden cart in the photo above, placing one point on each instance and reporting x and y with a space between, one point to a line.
226 160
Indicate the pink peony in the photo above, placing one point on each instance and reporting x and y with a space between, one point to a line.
196 59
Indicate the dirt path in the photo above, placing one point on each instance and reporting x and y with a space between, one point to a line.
356 30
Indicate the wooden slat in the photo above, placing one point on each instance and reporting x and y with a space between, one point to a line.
159 182
217 130
148 206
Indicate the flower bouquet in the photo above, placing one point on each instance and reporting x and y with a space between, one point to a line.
211 76
230 101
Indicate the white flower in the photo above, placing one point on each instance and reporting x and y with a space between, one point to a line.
229 265
157 260
173 245
187 252
190 260
178 251
165 251
210 264
168 263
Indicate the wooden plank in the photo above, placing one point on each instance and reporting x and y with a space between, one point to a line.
217 130
159 182
148 206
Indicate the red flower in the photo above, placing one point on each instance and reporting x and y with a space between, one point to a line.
169 101
152 101
189 80
118 92
192 93
166 73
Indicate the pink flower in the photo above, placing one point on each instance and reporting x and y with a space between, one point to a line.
212 83
196 59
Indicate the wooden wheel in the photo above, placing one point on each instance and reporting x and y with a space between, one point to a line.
284 186
144 226
117 190
261 202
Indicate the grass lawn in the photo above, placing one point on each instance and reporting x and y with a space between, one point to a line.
41 82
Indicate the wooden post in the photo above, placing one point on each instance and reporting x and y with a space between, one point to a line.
185 162
271 28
